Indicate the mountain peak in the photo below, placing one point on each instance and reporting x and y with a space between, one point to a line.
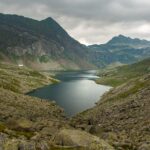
54 25
123 36
48 20
128 41
120 36
119 39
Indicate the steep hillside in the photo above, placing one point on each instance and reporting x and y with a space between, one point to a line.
39 44
122 117
119 49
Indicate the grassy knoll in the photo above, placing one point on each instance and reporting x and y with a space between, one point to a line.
120 75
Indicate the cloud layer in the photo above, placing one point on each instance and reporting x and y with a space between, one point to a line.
89 21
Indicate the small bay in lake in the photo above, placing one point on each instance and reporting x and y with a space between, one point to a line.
76 92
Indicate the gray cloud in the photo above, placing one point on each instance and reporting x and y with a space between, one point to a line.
89 21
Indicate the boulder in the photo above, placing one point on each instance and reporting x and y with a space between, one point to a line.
20 124
49 131
77 138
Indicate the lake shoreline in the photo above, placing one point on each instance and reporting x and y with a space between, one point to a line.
76 92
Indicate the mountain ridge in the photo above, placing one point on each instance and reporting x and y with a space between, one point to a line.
45 40
45 45
122 49
127 40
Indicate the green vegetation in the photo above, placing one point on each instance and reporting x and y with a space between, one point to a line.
44 59
36 74
120 75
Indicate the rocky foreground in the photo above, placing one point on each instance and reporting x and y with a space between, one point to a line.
122 117
28 123
120 121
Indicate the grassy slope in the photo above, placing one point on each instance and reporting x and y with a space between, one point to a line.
120 75
21 79
122 117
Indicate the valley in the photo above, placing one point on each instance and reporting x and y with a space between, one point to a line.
59 94
120 120
34 123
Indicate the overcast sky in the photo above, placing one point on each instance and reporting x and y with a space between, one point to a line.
88 21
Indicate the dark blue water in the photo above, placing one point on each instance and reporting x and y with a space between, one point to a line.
75 93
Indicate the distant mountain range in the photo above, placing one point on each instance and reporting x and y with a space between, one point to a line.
120 49
46 45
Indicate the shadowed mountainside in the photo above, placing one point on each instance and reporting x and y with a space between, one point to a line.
46 45
40 44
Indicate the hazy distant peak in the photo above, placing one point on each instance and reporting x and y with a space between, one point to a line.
121 36
121 39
